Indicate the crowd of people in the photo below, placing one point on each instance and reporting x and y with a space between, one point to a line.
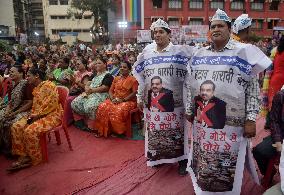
213 90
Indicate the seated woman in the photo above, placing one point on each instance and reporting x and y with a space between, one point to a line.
18 105
96 91
46 114
113 67
81 78
78 85
112 115
62 74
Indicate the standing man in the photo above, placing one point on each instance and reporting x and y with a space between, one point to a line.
241 28
160 70
217 156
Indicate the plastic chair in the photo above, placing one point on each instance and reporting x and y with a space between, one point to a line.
63 93
270 171
132 114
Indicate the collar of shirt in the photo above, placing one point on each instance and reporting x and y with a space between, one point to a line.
230 45
166 49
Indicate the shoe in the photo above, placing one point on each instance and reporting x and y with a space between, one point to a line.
157 166
182 170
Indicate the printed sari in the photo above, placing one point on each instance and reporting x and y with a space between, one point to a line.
46 106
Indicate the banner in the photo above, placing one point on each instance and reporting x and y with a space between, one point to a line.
144 36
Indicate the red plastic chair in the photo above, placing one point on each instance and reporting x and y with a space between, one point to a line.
270 171
135 113
63 93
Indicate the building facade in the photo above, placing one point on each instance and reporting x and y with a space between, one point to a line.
37 30
58 24
265 14
15 17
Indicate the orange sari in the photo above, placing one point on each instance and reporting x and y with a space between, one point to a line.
112 117
25 138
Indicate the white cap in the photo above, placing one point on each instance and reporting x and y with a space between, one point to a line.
221 15
242 22
282 87
159 24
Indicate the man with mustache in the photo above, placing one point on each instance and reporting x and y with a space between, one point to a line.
159 67
220 144
210 111
159 98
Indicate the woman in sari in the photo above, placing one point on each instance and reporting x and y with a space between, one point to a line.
113 67
46 114
113 114
63 74
17 107
96 91
81 72
81 78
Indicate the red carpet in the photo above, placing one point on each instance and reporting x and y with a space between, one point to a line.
101 166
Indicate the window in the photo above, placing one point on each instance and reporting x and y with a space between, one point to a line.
76 30
173 21
274 5
86 30
237 5
61 17
195 21
53 31
175 4
257 5
53 2
155 18
271 23
53 17
195 4
88 17
257 24
157 3
78 17
63 2
215 4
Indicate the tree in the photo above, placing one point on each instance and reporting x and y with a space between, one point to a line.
98 9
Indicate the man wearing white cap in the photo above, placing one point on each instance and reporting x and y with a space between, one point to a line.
160 70
241 28
217 157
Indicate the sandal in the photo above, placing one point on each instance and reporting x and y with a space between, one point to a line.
18 166
96 134
22 160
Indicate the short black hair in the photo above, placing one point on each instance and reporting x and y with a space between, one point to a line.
167 30
127 63
208 82
36 71
156 77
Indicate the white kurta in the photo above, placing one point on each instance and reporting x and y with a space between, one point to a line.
218 151
166 140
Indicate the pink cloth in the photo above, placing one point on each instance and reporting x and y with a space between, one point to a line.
102 166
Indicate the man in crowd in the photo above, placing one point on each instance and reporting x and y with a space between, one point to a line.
166 138
218 157
241 28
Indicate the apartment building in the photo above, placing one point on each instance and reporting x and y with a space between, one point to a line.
58 24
